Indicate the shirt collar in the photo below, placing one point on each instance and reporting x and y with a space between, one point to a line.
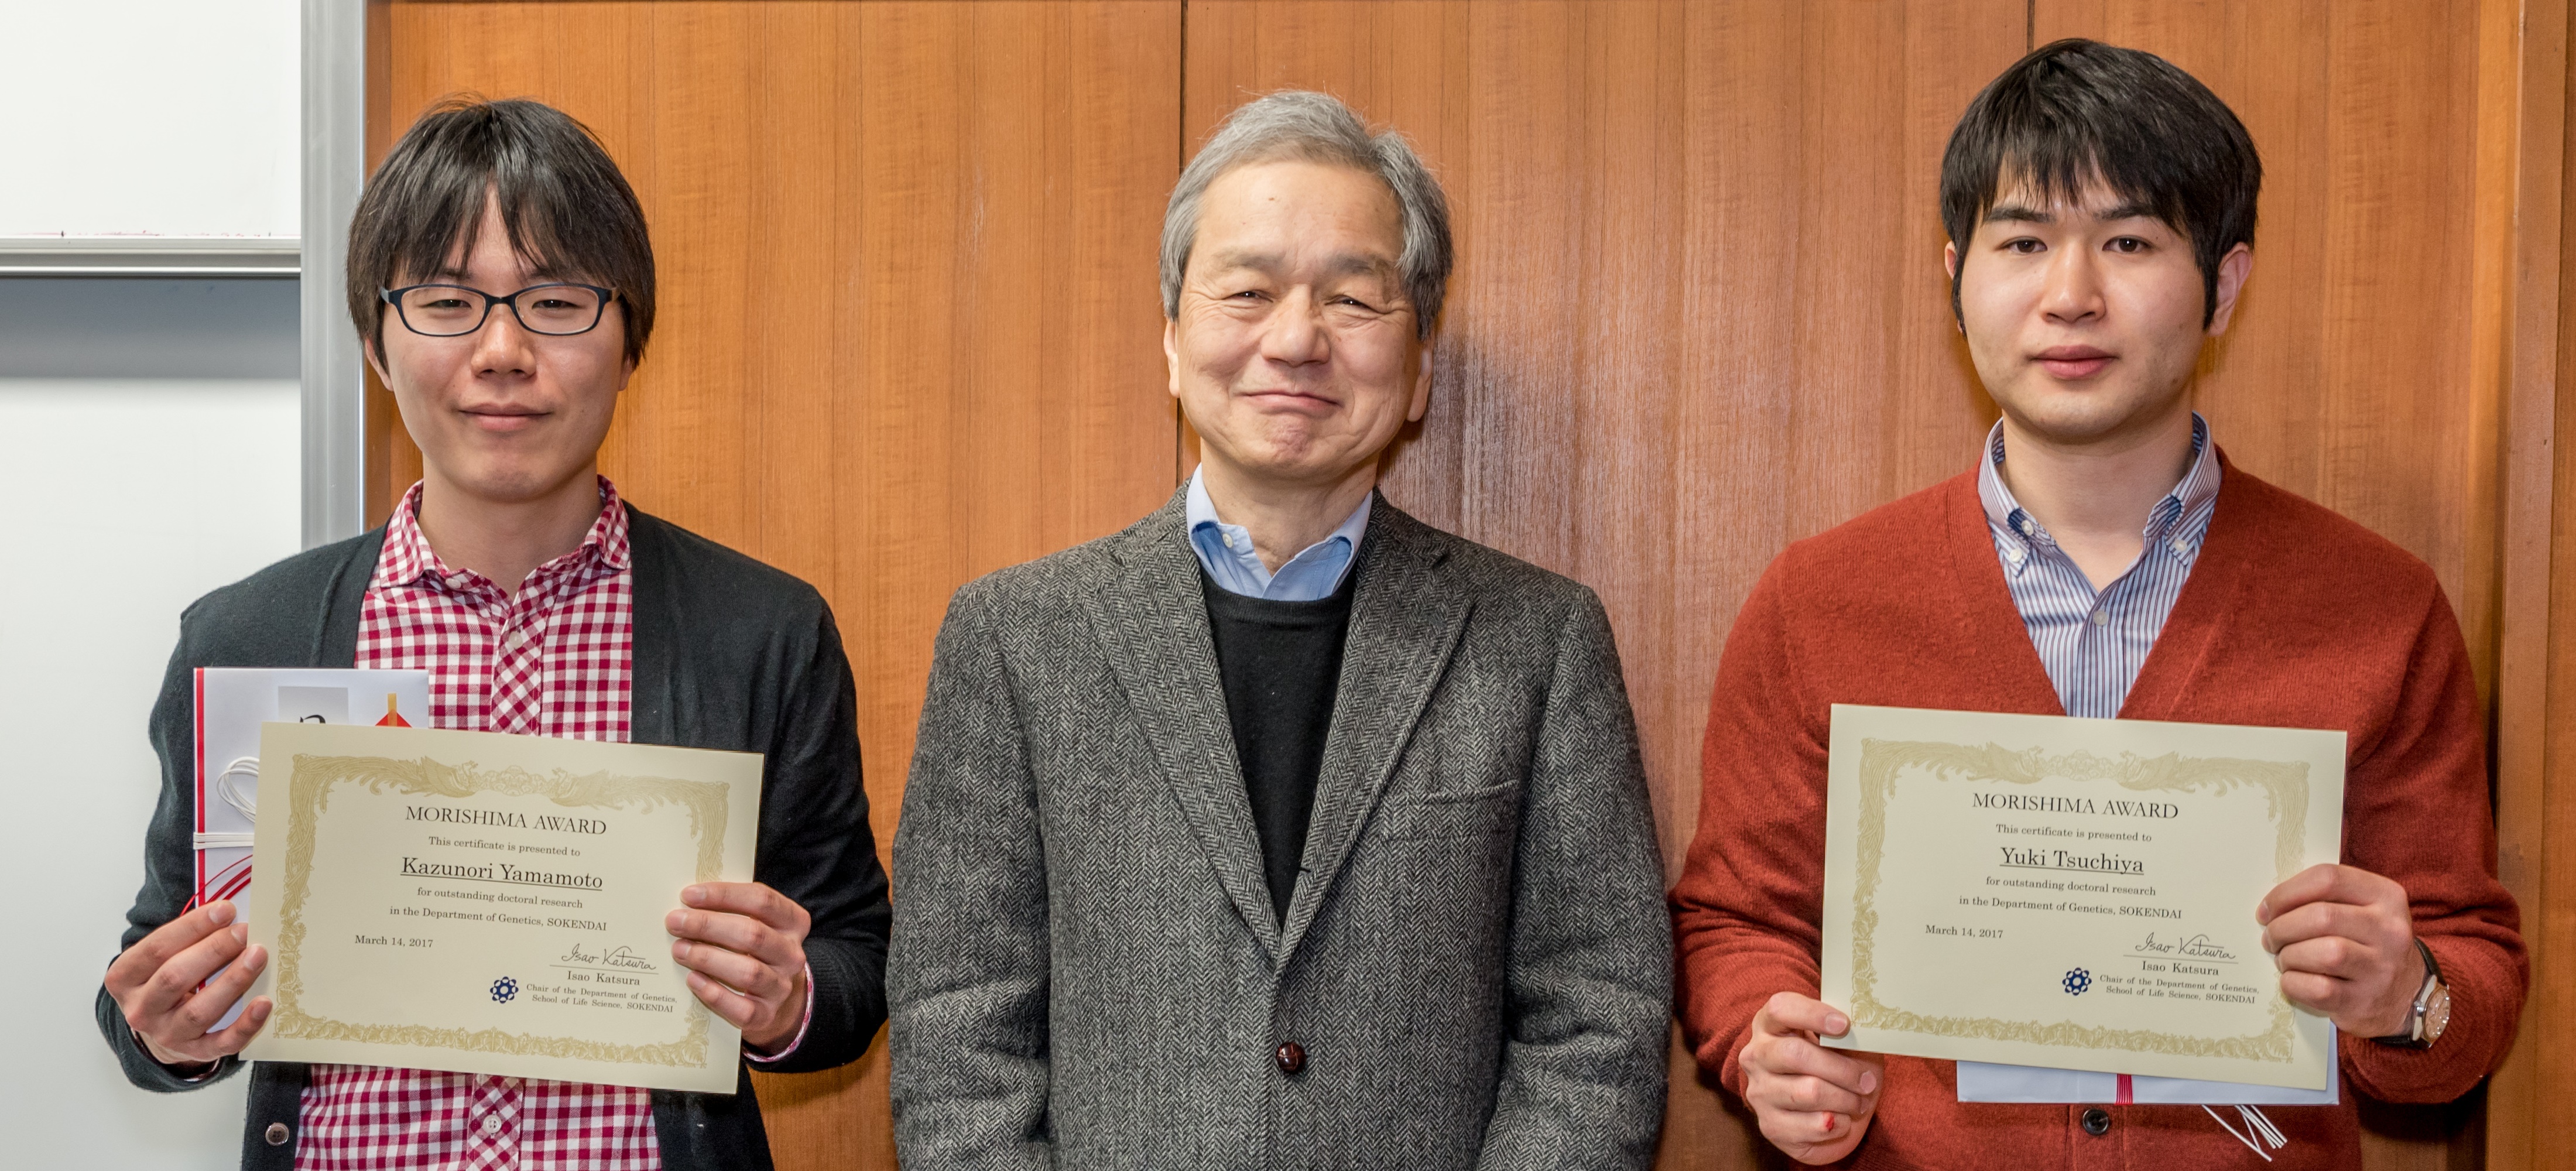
407 557
1225 551
2004 514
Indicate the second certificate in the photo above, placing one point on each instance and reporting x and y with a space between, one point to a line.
2080 894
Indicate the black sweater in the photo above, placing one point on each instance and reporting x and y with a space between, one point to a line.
1282 663
729 654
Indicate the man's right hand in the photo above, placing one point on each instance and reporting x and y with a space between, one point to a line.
155 984
1814 1103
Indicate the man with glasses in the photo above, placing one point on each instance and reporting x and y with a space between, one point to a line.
500 273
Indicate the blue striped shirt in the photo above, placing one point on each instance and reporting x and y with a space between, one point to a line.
2093 643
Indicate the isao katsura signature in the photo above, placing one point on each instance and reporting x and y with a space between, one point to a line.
615 957
2198 947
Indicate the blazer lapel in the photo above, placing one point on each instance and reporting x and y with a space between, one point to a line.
653 717
1404 627
1152 620
336 639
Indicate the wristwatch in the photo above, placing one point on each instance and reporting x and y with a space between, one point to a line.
2431 1012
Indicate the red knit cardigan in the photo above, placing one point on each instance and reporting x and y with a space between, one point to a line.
2293 617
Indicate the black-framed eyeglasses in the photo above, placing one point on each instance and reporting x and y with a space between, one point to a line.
559 309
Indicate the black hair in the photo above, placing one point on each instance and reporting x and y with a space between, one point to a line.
566 207
2076 112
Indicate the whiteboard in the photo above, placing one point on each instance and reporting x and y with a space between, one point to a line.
151 117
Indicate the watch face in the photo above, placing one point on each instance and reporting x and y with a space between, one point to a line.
2437 1014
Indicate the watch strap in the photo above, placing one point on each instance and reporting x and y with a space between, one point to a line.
2413 1037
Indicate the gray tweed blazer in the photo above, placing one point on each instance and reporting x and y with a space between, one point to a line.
1085 970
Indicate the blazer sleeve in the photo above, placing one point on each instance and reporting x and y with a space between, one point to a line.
969 970
2416 810
1590 966
169 866
1746 908
816 848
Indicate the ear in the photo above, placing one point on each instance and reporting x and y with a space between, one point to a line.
1421 385
1950 273
1172 355
2233 268
372 348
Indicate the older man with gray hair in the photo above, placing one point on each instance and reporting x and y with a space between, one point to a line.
1281 830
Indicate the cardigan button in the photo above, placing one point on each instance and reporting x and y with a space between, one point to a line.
276 1134
1291 1057
2097 1121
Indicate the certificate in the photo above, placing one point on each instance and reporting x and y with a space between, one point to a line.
492 904
2076 893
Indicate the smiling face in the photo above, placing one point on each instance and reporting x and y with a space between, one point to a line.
2084 316
1294 351
502 414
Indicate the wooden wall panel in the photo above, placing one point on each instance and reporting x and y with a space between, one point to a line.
1698 311
908 330
2528 1098
2536 670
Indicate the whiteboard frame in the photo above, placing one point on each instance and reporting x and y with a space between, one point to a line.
148 256
335 171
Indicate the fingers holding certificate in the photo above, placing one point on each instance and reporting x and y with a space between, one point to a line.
744 947
503 904
2079 894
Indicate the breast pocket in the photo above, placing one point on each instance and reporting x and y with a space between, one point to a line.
1490 812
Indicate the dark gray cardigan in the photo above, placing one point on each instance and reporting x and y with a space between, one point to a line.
729 654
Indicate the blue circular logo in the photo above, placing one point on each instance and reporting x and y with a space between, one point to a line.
503 989
2076 981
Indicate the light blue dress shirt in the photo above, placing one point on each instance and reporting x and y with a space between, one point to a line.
1226 552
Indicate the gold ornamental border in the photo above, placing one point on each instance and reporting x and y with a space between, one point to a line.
309 793
2284 786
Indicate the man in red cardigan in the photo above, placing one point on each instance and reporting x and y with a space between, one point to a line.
2102 559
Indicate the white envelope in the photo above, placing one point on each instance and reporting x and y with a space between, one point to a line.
232 702
1981 1081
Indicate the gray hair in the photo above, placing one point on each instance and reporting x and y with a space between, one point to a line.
1318 128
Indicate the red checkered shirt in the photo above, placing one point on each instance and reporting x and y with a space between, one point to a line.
555 659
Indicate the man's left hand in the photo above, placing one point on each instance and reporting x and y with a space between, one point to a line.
744 947
2344 939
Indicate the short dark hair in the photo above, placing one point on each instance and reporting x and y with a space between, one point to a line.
566 207
2077 111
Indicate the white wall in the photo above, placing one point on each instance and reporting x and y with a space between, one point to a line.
162 117
130 483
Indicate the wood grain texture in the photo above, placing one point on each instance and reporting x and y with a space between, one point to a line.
1698 311
908 330
2536 692
2529 74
